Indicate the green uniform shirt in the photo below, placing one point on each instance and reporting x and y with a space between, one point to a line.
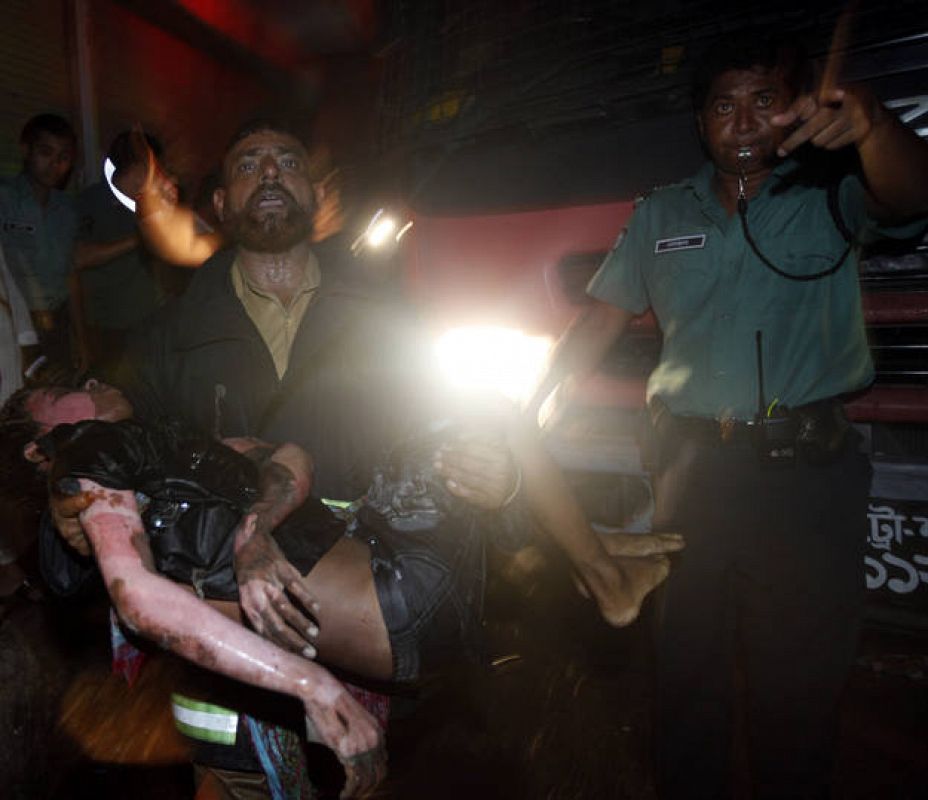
37 242
683 256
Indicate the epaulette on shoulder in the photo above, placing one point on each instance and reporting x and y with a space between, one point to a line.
656 190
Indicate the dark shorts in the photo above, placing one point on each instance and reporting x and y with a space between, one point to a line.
430 588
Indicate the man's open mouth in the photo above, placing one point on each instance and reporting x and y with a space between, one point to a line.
269 200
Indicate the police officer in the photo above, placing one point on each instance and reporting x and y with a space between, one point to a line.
750 269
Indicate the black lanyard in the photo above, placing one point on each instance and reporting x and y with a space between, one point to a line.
835 215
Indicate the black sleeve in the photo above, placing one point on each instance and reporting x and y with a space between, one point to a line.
65 572
119 455
142 372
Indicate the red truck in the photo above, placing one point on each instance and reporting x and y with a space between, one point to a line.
500 285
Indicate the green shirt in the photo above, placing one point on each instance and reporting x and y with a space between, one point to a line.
683 256
37 242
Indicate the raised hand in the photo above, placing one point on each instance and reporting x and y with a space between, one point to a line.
833 119
65 509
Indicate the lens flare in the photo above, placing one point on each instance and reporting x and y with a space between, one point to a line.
109 168
493 359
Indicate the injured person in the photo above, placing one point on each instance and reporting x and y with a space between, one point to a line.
394 592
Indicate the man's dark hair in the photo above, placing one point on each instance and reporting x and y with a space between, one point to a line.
14 411
47 123
126 151
749 49
279 123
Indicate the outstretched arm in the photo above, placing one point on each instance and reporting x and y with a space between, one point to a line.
580 349
166 613
893 157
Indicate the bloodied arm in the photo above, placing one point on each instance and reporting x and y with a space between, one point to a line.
268 583
163 611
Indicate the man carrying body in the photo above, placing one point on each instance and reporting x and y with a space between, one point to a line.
258 320
764 481
37 228
268 341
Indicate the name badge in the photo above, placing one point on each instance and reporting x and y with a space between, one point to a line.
14 226
694 242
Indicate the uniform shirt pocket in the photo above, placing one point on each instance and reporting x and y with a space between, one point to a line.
680 284
799 254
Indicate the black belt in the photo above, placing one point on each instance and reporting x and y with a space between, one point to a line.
820 426
704 429
714 431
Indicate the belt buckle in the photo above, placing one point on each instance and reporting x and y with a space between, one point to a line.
727 429
43 320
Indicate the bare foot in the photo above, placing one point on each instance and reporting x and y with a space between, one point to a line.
619 585
641 544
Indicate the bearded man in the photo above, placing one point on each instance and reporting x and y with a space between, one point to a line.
270 339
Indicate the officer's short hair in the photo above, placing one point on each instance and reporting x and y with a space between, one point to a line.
47 123
748 49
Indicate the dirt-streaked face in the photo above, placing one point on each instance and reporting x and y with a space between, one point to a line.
268 201
59 405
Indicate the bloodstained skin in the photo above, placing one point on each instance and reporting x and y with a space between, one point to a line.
171 616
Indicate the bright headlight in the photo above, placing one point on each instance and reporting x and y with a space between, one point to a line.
380 231
383 231
493 359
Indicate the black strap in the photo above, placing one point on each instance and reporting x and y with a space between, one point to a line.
834 210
